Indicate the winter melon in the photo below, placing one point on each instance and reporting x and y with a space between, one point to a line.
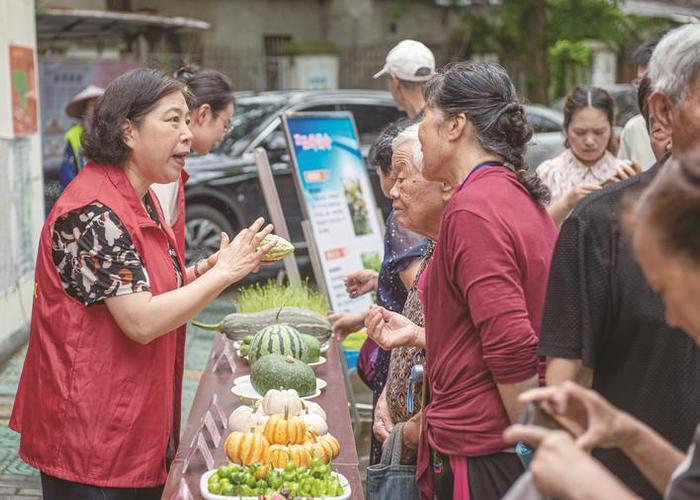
275 371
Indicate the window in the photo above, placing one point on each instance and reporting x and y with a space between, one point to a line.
371 119
543 124
275 140
273 65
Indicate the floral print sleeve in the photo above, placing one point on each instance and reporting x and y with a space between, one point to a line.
95 257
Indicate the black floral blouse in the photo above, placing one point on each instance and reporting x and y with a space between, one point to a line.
95 256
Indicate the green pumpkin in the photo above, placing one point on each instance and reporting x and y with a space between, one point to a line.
314 348
275 371
277 339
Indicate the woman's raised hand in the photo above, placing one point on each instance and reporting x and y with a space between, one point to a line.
238 258
361 282
584 412
389 329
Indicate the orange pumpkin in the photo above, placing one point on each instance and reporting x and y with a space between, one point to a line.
299 455
311 435
283 429
278 456
332 443
321 449
246 448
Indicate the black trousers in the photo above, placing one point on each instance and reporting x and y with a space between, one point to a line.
60 489
490 476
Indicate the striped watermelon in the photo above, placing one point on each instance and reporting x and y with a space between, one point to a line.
277 339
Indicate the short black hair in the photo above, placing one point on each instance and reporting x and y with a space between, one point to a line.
207 86
643 93
130 97
381 151
642 55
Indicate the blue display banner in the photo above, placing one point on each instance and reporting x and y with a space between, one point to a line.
337 199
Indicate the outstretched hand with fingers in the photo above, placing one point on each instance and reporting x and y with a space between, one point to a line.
238 258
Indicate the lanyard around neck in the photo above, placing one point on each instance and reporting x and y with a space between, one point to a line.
483 164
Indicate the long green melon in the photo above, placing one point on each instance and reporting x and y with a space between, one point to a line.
275 371
237 326
277 339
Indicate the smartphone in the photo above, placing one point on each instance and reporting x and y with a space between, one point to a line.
535 415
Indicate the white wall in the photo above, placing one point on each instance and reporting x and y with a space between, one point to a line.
21 185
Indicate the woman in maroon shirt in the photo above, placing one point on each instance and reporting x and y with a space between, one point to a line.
483 293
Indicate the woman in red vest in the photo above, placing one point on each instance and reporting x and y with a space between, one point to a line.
98 405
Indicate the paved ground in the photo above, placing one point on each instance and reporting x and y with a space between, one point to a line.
20 481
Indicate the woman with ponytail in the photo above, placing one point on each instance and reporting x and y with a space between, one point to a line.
210 120
483 292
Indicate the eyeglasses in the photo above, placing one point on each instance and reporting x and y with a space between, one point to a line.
227 124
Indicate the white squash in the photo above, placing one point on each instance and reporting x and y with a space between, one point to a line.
284 402
312 408
244 418
317 422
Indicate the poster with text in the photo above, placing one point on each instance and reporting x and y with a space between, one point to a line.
60 81
337 199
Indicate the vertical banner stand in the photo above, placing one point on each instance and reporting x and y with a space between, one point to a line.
274 207
315 259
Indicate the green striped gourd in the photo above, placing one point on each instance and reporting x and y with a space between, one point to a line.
277 339
282 372
281 249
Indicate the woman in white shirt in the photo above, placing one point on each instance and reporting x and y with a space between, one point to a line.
587 164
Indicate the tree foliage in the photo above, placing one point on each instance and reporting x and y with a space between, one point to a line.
508 30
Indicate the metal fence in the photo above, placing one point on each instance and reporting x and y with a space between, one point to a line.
252 69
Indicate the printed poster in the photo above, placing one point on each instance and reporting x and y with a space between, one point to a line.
24 93
60 81
337 199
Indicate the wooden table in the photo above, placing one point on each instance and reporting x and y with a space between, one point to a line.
333 400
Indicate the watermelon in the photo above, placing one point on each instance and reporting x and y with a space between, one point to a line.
277 339
275 371
314 348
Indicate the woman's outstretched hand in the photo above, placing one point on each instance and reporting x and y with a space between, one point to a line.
240 257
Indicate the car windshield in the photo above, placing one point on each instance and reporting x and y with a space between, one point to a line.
249 114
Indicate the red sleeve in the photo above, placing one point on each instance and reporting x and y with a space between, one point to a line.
487 275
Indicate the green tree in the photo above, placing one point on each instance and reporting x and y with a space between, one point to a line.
542 40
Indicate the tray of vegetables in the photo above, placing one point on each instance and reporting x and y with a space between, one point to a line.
256 481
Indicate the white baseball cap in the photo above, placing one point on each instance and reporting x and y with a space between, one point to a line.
409 60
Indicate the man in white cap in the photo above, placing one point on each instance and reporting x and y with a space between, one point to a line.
409 64
81 107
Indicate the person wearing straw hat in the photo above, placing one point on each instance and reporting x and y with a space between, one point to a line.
81 108
409 65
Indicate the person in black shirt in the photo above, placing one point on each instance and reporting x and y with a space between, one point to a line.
662 227
603 326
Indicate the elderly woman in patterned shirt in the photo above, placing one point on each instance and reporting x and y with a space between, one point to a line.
418 205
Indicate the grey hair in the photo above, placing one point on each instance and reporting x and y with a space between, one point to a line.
485 94
675 63
410 135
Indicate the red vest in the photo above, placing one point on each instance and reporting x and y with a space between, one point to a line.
93 406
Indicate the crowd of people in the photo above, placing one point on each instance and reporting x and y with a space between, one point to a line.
550 276
567 287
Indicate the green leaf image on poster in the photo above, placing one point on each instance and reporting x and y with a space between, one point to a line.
20 85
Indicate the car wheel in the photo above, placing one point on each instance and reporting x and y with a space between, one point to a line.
203 228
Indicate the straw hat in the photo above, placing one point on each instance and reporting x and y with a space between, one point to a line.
75 107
